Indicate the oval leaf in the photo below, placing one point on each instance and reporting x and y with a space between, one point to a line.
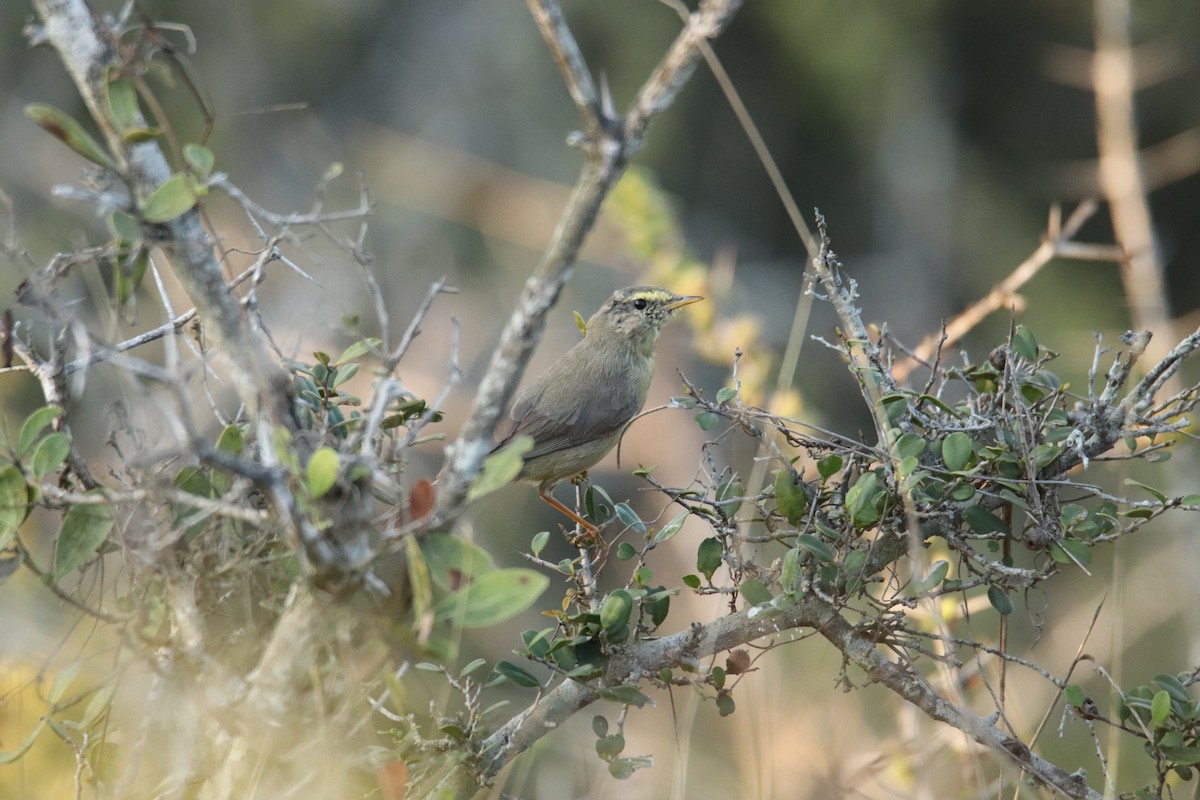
708 556
1160 707
670 529
956 451
501 468
935 576
173 198
629 518
999 600
33 426
790 498
322 471
516 674
199 158
755 592
816 546
70 132
14 503
50 454
829 465
615 610
84 530
1024 343
492 598
983 521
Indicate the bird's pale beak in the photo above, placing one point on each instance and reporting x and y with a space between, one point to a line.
680 302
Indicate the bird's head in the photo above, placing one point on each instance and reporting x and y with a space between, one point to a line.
636 315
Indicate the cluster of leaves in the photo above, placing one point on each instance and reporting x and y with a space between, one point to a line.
979 473
970 475
127 254
38 453
1164 715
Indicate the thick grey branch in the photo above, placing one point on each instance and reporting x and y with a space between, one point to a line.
633 663
608 151
85 44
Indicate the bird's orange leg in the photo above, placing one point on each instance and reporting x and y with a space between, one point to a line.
544 493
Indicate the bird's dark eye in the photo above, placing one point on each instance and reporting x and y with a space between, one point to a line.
640 304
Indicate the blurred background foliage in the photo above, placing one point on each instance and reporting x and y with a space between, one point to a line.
933 135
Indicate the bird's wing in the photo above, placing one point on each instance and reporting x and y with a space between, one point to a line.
580 418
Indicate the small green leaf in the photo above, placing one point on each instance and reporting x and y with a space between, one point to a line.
610 746
600 726
14 502
725 704
829 465
755 592
706 420
199 158
708 557
725 394
33 426
910 445
816 546
962 492
84 529
658 605
1073 694
581 323
122 101
540 540
232 440
936 403
471 667
1046 454
63 681
623 768
983 521
629 518
124 227
1070 551
935 576
173 198
1160 707
790 498
357 350
322 471
1024 343
345 373
501 468
139 135
999 600
1185 756
1162 498
615 610
957 451
729 490
451 560
790 572
691 581
492 598
625 551
1173 686
70 132
670 529
50 454
863 500
626 695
